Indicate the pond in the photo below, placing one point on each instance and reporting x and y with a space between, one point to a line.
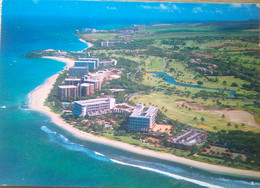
171 80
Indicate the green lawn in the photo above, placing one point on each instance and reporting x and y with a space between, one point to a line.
97 36
184 115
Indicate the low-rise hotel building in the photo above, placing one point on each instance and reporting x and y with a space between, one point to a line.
142 118
68 92
93 107
108 43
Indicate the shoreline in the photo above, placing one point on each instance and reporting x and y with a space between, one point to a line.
86 42
36 102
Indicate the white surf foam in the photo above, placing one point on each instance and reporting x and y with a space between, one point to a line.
198 182
97 153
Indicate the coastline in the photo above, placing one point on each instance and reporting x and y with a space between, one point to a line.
86 42
36 102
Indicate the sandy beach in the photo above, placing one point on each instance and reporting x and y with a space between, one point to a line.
86 42
39 95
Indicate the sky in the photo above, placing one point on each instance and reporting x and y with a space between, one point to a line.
135 10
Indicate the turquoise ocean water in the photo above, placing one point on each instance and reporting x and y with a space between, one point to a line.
33 150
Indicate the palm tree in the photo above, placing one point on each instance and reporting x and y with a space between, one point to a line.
229 124
202 119
223 116
195 118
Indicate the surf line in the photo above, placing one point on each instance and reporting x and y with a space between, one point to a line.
198 182
66 143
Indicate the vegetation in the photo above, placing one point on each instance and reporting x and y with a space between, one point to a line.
215 67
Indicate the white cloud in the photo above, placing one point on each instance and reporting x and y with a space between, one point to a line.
197 10
169 7
160 7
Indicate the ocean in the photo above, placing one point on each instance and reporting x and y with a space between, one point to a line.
33 150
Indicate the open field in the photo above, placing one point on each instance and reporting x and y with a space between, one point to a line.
202 53
168 105
97 36
215 87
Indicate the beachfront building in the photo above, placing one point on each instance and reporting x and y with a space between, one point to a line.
142 118
93 107
86 89
68 92
72 81
91 63
78 71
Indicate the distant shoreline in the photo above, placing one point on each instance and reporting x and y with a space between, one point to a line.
36 102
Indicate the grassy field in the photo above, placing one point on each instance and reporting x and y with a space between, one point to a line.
167 105
206 43
97 36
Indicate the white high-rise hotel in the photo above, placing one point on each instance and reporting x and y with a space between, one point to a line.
142 118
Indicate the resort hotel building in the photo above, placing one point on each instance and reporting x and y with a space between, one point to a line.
108 43
95 82
93 107
110 63
86 89
68 92
78 71
91 63
142 118
72 81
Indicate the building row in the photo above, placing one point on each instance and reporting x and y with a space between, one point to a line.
82 87
85 65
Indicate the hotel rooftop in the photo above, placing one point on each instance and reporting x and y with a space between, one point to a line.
141 111
72 79
67 86
94 101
